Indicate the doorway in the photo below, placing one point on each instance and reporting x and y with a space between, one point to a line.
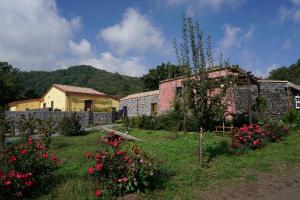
88 105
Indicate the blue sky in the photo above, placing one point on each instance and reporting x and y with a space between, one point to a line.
132 36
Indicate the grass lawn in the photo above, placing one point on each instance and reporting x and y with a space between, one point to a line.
178 155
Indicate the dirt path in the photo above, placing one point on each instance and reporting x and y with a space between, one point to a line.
281 184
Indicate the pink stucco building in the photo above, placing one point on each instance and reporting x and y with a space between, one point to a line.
167 89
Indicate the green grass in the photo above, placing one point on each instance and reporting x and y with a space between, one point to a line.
179 155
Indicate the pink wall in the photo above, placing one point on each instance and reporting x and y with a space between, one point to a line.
167 92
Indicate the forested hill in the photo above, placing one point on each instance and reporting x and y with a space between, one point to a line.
291 73
36 83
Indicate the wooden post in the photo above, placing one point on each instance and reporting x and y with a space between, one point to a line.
249 97
201 139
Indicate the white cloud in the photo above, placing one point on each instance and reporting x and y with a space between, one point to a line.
193 6
265 72
231 37
83 48
289 14
76 23
32 33
132 66
287 44
134 33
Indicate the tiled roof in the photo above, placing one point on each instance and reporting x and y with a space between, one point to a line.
143 94
25 101
75 89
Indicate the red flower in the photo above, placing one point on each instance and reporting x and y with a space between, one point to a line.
39 146
28 183
7 182
120 152
11 174
98 157
45 155
13 159
98 193
54 158
30 142
23 152
88 154
99 166
90 170
19 175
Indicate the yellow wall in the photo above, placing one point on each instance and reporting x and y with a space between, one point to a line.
116 104
58 97
99 104
22 106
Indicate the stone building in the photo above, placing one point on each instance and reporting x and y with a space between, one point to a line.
145 103
280 96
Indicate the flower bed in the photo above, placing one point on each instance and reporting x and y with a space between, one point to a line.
118 171
255 136
24 168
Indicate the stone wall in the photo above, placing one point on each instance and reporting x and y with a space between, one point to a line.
275 94
139 106
86 118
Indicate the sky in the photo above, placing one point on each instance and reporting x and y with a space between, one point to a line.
132 36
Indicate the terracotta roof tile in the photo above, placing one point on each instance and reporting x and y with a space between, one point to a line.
75 89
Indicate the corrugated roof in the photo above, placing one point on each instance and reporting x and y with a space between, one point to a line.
143 94
75 89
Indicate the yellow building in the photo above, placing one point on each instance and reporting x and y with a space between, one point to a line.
70 98
31 104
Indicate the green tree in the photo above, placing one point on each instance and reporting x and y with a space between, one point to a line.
161 72
10 85
202 97
291 73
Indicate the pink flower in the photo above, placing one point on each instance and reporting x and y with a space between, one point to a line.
13 159
45 155
120 152
23 152
28 183
90 170
122 180
18 175
88 154
29 142
54 158
39 146
98 193
11 174
99 166
142 161
7 182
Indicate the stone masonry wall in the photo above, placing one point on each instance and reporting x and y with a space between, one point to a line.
139 106
275 94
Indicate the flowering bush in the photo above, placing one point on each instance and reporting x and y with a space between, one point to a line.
119 171
255 136
24 168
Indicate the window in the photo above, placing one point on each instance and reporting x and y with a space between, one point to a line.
297 101
154 109
44 105
52 104
178 91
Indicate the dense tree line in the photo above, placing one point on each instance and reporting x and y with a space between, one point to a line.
291 73
37 82
160 73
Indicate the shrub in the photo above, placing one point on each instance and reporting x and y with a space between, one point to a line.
292 118
242 119
70 126
24 169
119 171
255 136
